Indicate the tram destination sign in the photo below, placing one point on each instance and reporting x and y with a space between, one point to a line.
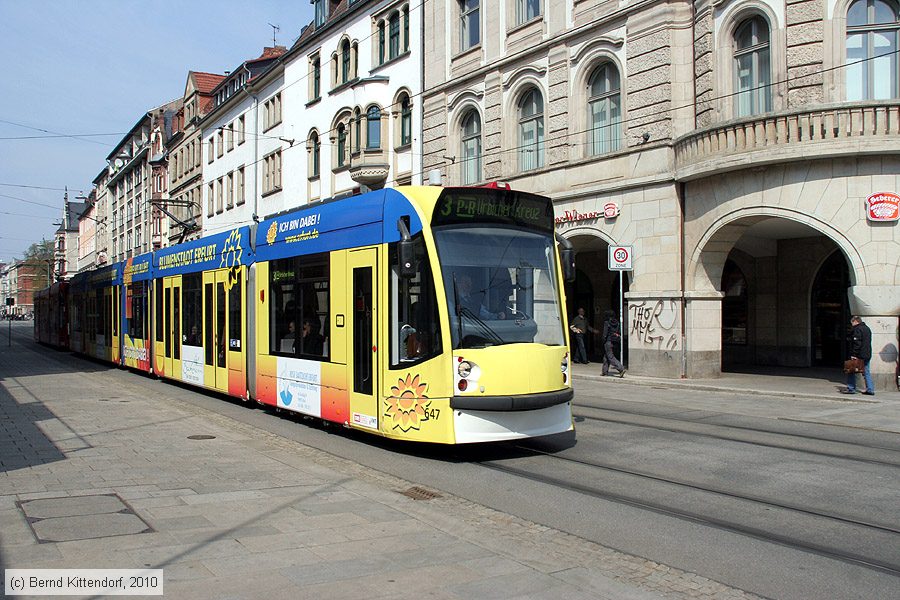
503 207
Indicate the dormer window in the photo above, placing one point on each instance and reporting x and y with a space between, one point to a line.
321 12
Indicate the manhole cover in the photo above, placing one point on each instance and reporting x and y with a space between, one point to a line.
419 493
81 518
201 437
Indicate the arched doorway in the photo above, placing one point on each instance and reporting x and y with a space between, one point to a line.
783 294
595 288
830 312
735 315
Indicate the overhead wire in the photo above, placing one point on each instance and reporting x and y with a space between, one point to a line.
647 117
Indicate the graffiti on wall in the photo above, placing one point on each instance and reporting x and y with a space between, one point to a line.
654 324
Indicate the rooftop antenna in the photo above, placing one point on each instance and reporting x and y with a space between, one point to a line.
275 29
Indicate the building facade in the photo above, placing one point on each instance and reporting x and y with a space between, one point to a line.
102 219
352 99
136 179
185 156
66 249
743 152
241 158
87 234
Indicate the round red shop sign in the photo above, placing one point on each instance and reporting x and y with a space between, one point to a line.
883 206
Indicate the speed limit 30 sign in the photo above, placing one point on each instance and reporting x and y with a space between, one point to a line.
620 258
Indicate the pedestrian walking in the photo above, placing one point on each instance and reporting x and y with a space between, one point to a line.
612 336
580 327
861 348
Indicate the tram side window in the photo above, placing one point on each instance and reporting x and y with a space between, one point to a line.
415 328
235 310
298 319
192 315
137 293
207 322
176 323
159 310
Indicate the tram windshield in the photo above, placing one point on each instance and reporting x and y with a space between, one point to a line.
500 276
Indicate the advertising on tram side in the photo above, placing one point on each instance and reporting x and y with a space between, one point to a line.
199 315
136 274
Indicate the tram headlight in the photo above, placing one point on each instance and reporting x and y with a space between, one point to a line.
464 369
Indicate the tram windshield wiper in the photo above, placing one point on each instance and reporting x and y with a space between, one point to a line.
484 327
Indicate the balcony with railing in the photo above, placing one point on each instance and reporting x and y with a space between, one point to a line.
868 128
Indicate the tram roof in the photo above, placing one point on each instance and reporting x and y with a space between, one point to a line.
363 220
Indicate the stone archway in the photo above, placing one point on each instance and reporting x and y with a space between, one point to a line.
773 261
595 289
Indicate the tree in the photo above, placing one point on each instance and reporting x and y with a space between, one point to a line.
40 256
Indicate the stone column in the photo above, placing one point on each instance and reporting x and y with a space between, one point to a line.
879 307
703 330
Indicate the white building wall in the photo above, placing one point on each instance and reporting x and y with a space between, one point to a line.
249 155
377 85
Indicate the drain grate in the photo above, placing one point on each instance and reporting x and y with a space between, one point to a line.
419 493
201 437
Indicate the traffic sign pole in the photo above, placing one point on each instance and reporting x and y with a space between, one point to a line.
621 319
620 259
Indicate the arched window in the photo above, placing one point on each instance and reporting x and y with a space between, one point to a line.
531 131
470 162
872 27
394 35
373 128
381 42
341 145
345 61
405 120
315 150
752 70
605 109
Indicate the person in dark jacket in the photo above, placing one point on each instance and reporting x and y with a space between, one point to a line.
612 336
860 347
580 327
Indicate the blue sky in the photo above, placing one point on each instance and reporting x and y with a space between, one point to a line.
96 66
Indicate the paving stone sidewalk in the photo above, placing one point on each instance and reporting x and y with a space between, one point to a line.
105 477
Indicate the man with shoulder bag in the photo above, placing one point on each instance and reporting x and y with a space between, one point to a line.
860 348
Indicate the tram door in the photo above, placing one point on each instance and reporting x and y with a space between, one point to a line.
215 330
172 326
362 267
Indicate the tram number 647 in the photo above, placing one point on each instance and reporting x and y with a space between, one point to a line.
432 414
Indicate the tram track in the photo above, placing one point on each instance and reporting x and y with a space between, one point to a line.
795 442
706 519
